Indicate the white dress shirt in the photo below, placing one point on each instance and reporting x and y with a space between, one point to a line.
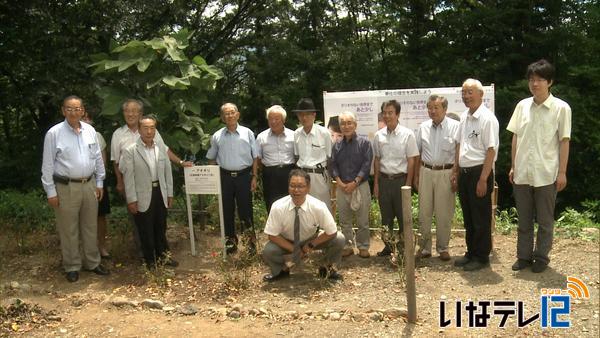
275 149
152 154
477 132
313 213
437 144
71 154
312 148
539 130
393 149
124 137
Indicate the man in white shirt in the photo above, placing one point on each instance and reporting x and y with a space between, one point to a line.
312 146
541 127
276 154
436 139
476 153
72 175
395 151
297 225
128 134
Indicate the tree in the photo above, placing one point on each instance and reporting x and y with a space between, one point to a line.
172 86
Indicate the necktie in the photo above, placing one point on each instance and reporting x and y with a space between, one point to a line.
296 253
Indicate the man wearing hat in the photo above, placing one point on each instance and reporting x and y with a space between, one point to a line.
312 146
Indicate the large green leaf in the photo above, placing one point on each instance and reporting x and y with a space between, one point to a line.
130 45
176 82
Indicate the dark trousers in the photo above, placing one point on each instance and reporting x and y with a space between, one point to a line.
275 183
535 204
152 228
235 191
477 213
390 202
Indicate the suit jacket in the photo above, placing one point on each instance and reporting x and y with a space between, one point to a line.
137 176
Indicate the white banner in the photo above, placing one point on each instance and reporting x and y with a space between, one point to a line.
367 105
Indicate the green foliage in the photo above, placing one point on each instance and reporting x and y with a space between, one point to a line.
577 224
506 220
23 213
171 85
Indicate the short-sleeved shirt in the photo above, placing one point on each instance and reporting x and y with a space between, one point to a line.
313 148
124 137
313 213
437 144
101 141
477 133
394 149
71 154
275 149
233 150
539 130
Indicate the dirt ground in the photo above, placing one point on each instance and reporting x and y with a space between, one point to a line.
369 302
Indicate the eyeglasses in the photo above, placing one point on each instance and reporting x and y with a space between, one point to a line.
297 187
71 110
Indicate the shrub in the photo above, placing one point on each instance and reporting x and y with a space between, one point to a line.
22 213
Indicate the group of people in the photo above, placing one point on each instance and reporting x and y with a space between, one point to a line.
445 156
73 173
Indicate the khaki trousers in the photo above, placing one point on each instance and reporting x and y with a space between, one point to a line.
76 222
435 197
362 216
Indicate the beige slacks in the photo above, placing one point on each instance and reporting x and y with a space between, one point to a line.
76 222
435 197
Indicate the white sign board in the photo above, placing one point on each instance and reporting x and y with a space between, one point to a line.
367 105
202 180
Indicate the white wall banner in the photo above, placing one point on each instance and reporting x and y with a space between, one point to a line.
367 105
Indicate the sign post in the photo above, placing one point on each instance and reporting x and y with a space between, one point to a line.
202 180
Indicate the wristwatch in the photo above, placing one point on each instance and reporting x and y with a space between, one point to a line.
180 162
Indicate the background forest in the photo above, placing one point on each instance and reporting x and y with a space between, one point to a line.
257 53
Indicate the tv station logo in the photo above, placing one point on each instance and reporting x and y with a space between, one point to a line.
554 310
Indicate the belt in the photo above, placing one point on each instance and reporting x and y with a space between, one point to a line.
471 169
236 173
438 167
392 176
67 180
155 184
314 171
281 166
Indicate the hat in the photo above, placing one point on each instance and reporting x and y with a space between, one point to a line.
305 105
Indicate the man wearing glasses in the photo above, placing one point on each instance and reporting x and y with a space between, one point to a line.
298 224
72 175
541 127
476 153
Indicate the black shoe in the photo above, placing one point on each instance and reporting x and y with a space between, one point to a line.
474 265
100 270
520 264
172 263
330 274
462 261
72 276
538 266
270 278
231 246
385 252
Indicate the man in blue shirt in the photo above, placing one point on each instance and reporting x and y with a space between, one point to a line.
72 175
233 148
351 163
